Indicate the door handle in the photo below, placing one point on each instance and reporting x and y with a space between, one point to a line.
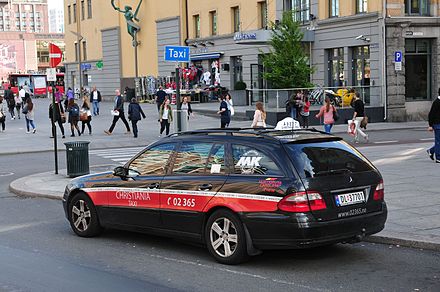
205 187
153 186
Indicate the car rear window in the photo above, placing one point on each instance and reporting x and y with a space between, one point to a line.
327 158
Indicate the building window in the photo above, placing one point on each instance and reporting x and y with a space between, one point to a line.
361 6
334 8
74 12
84 51
237 69
335 67
69 14
196 21
76 52
417 7
361 71
417 69
236 19
83 10
262 11
89 8
300 9
213 22
38 13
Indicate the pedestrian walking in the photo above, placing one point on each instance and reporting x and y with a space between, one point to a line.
165 117
135 114
70 95
160 98
434 125
293 104
118 113
230 105
73 110
186 106
305 111
18 102
259 116
327 111
22 95
56 117
29 114
86 116
95 99
10 101
358 117
2 113
225 118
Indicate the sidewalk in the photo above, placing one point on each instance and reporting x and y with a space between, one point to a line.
411 193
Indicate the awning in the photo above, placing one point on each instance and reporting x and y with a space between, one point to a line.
205 56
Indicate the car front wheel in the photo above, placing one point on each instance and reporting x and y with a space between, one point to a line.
225 238
83 217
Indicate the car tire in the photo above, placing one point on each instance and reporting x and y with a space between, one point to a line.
83 217
225 238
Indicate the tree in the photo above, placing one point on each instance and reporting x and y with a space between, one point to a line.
287 64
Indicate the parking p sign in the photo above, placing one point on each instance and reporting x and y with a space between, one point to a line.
398 56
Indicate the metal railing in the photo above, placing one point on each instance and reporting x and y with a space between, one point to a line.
340 96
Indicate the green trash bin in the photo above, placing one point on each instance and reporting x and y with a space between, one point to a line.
77 155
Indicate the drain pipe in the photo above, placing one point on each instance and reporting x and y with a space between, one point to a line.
384 69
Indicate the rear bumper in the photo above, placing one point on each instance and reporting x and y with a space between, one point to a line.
301 230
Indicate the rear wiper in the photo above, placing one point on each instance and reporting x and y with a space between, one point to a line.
333 171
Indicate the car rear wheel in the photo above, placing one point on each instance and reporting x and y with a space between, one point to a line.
83 217
225 238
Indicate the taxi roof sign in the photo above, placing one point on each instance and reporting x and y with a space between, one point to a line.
288 124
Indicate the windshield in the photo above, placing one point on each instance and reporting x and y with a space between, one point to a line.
327 158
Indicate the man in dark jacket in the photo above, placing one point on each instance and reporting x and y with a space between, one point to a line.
118 113
160 97
434 125
134 115
9 96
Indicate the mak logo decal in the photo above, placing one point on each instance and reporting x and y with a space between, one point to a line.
249 162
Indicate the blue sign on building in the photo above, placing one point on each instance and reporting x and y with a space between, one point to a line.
177 54
86 66
398 56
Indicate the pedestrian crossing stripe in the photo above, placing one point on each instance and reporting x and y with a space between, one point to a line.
117 154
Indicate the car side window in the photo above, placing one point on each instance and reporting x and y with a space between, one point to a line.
191 158
216 160
154 160
251 161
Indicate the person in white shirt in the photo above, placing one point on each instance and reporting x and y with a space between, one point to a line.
166 117
19 100
95 99
259 116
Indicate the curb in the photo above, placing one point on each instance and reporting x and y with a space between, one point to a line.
30 194
403 242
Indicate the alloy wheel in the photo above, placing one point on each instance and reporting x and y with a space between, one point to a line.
224 237
81 215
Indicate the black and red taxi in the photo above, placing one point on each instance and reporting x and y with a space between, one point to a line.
237 191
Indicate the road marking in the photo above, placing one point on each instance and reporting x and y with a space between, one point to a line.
120 155
386 142
427 139
6 228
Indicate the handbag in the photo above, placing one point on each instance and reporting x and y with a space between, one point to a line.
114 113
63 117
335 114
351 128
25 110
364 122
83 116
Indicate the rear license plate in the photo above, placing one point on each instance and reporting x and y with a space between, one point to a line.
350 199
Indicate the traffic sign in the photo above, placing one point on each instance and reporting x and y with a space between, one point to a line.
398 56
177 54
51 74
55 55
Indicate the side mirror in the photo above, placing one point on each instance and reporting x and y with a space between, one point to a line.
120 171
133 173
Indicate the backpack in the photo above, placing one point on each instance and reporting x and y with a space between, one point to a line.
74 110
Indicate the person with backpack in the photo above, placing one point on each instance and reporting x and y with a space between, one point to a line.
28 111
134 115
73 110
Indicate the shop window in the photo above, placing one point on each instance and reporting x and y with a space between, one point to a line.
213 22
262 12
236 19
237 69
361 6
417 69
335 67
89 8
417 7
361 71
196 21
334 8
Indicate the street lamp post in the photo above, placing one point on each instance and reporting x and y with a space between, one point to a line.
78 41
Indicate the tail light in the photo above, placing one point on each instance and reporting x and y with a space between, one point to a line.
379 192
302 202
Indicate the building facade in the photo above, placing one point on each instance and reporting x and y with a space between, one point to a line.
56 20
24 37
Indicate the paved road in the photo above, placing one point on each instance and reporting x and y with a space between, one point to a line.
39 252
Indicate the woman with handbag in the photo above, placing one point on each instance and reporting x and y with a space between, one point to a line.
29 115
86 116
166 117
328 111
73 110
2 114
